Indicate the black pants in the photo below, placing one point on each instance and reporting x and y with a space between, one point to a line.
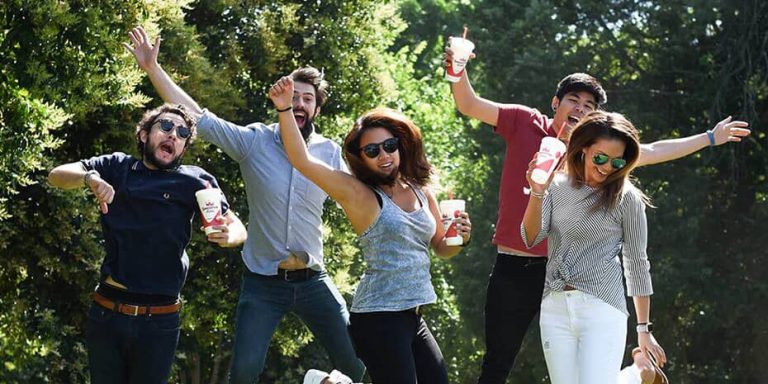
513 300
397 348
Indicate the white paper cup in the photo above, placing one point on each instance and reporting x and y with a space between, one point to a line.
209 201
450 210
461 49
550 152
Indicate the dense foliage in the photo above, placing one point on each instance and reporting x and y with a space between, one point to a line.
68 91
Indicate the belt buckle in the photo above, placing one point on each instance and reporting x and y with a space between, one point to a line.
288 272
135 310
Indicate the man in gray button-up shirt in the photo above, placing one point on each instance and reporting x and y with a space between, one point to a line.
284 251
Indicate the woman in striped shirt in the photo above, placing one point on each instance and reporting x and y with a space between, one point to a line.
589 215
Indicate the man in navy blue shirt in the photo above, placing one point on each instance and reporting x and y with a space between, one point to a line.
147 208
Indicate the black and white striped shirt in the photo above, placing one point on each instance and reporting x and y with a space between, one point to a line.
584 244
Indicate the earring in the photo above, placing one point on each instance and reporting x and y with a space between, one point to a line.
582 157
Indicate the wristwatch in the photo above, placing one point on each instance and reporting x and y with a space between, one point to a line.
645 327
90 174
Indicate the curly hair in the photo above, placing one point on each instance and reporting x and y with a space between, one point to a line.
414 167
150 117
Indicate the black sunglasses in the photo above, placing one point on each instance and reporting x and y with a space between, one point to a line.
616 163
167 127
372 150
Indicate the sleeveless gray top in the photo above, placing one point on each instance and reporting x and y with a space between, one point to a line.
396 251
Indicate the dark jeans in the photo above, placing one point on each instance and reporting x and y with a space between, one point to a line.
397 348
130 349
265 300
513 300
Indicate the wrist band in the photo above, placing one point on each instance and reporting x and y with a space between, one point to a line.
288 108
538 195
464 244
711 136
88 175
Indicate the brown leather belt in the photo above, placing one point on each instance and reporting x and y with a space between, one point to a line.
569 288
136 310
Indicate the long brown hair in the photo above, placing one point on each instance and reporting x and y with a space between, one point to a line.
414 167
604 125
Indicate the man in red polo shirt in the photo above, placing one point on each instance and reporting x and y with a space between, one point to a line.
516 283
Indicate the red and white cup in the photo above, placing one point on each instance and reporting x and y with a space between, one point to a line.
451 210
461 49
550 152
209 201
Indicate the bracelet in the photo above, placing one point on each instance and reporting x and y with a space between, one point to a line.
288 108
88 175
538 195
711 136
464 244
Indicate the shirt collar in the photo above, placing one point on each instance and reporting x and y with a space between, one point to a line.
312 139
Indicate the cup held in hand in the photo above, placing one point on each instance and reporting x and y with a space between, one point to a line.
451 210
550 152
461 49
209 201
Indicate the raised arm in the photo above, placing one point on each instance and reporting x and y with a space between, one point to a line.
358 200
74 175
146 57
531 227
661 151
467 102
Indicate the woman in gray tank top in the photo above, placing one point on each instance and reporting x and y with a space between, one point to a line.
396 217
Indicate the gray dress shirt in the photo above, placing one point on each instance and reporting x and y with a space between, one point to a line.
284 208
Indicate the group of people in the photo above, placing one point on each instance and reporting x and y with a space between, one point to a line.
590 212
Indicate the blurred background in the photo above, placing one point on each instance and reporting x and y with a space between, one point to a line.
69 90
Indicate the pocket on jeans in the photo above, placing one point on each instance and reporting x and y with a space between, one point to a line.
99 314
165 323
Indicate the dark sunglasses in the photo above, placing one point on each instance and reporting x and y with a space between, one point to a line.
372 150
617 163
181 131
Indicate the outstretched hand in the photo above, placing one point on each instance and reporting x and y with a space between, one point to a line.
143 50
728 130
281 93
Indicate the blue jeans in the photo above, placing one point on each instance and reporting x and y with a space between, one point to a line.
263 303
130 349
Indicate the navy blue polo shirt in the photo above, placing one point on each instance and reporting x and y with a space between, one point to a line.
149 222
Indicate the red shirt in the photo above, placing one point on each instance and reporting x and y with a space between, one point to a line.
522 129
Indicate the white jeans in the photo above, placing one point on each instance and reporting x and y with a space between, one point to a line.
583 338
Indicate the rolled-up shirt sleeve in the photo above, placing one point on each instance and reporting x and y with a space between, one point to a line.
634 256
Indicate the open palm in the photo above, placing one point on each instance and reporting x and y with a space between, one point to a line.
143 50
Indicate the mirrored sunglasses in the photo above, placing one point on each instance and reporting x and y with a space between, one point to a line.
167 127
372 150
616 163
